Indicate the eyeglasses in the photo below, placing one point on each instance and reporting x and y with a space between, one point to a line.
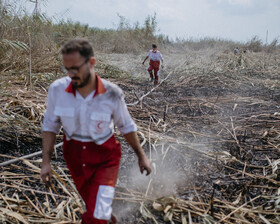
73 70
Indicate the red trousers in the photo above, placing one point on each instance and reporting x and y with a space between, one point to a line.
154 66
94 169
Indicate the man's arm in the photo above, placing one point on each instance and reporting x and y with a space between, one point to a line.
48 141
143 161
161 58
145 60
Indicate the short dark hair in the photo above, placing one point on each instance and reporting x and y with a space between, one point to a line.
154 46
78 45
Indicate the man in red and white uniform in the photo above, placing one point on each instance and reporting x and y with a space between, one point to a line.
88 107
155 58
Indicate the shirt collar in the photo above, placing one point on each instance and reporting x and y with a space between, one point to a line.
100 89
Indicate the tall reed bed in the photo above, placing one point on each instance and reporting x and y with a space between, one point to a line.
30 43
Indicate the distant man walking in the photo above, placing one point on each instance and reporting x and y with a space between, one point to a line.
155 58
88 107
236 50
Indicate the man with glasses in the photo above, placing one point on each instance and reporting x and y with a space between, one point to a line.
88 107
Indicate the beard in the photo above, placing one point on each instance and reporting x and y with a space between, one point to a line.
85 82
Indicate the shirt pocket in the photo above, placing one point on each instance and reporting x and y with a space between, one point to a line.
99 122
67 117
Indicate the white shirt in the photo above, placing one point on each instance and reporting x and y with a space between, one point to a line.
155 56
87 119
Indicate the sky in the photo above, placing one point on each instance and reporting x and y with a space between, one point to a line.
237 20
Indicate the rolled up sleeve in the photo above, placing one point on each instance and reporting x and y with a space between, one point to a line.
160 56
122 118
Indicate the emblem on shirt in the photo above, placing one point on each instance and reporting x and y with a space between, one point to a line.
100 125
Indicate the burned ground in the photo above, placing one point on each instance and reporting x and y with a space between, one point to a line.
211 131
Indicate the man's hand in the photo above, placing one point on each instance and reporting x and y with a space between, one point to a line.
46 174
48 139
145 60
162 66
144 164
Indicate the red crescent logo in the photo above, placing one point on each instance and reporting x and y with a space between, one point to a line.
98 125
